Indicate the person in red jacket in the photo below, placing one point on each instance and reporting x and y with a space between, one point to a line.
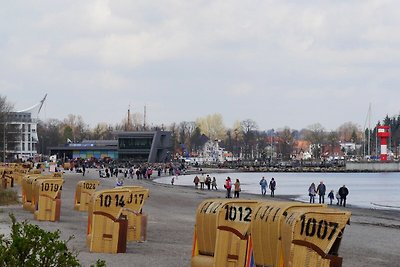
228 187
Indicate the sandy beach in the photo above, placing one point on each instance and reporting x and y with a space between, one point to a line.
372 238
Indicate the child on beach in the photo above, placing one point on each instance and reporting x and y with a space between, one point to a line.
119 181
331 196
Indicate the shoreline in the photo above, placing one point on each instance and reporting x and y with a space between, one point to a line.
279 197
297 170
374 203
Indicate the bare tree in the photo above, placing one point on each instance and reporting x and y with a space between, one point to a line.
332 139
249 128
78 128
315 134
212 126
102 131
285 143
49 134
7 133
349 131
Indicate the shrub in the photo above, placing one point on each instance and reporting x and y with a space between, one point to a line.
31 246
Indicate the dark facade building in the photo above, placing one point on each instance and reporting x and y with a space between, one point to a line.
149 146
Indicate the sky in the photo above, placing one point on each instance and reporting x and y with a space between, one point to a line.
282 63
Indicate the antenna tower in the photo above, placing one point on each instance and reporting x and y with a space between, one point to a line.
128 123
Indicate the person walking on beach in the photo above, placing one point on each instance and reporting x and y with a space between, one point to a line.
321 190
196 181
237 188
228 187
263 184
202 181
214 184
208 182
331 196
312 191
272 186
337 198
343 192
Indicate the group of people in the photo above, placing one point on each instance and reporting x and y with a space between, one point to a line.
228 187
211 184
320 190
205 181
271 185
313 190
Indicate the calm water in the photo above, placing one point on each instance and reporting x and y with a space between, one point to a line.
367 190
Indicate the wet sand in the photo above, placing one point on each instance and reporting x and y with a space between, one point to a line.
372 238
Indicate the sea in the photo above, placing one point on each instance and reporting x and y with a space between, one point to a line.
366 190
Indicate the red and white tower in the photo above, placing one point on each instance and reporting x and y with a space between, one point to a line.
383 134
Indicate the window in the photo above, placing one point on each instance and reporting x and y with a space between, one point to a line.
135 143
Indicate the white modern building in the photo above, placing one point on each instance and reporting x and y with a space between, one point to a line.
23 125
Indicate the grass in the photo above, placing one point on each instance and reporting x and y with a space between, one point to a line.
8 197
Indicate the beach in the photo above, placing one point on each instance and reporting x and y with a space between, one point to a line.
371 239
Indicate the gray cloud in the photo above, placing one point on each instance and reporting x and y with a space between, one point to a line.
281 63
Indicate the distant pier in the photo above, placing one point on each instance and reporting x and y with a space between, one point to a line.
373 166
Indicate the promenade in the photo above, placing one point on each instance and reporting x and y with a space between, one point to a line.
372 238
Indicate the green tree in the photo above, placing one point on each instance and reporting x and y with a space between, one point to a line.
78 128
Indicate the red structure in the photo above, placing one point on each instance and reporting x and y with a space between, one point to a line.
383 134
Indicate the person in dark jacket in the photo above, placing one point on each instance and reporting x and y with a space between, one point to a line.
272 187
331 196
343 192
321 190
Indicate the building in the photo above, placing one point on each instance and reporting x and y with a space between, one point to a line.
144 146
150 146
87 149
20 133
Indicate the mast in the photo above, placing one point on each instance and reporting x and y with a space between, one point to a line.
369 129
368 119
144 118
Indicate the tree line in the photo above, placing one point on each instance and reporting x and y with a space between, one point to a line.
244 139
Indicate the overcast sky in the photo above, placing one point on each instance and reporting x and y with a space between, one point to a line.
280 63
